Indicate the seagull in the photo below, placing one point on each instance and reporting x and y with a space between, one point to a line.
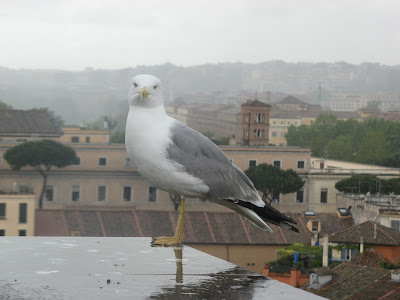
179 160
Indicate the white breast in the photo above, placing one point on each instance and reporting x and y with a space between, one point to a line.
147 138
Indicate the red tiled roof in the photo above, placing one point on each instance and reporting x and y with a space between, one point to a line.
348 280
256 103
379 235
200 227
380 289
27 122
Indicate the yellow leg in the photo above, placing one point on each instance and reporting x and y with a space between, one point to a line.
178 237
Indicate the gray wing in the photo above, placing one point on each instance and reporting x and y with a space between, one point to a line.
203 159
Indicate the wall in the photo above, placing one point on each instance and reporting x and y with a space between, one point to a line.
11 221
390 253
251 257
294 278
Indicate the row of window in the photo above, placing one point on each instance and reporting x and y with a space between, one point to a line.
127 192
21 232
282 122
275 134
75 139
22 212
258 118
102 161
278 163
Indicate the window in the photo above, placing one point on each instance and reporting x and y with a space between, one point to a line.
300 196
274 133
75 139
152 194
300 164
102 161
288 122
276 197
22 232
345 254
395 224
22 212
276 163
49 193
2 232
255 132
315 226
246 132
282 134
127 162
252 163
281 122
274 122
75 193
88 139
324 195
2 210
77 162
101 193
127 193
246 118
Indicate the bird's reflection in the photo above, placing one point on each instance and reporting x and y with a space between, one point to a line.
233 283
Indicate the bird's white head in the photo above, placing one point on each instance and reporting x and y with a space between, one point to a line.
146 91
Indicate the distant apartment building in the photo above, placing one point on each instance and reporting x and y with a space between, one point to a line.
355 101
77 134
17 214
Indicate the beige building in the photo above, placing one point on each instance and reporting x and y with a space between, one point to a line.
325 173
76 134
17 214
103 176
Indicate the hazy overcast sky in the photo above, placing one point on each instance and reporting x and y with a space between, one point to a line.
117 34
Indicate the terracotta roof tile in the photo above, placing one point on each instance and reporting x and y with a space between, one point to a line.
86 221
50 223
348 279
27 122
379 235
200 227
119 223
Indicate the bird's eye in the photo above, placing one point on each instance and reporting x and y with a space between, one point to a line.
155 87
134 84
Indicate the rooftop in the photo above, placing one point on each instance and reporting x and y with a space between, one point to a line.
200 227
373 234
349 280
28 122
125 268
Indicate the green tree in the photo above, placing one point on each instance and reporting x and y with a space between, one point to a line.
341 148
271 180
363 184
42 156
118 137
4 105
373 149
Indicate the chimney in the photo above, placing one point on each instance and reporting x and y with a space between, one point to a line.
395 276
374 231
325 251
361 244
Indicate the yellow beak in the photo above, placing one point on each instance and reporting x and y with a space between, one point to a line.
143 93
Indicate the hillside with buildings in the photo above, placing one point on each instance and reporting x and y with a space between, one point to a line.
84 95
